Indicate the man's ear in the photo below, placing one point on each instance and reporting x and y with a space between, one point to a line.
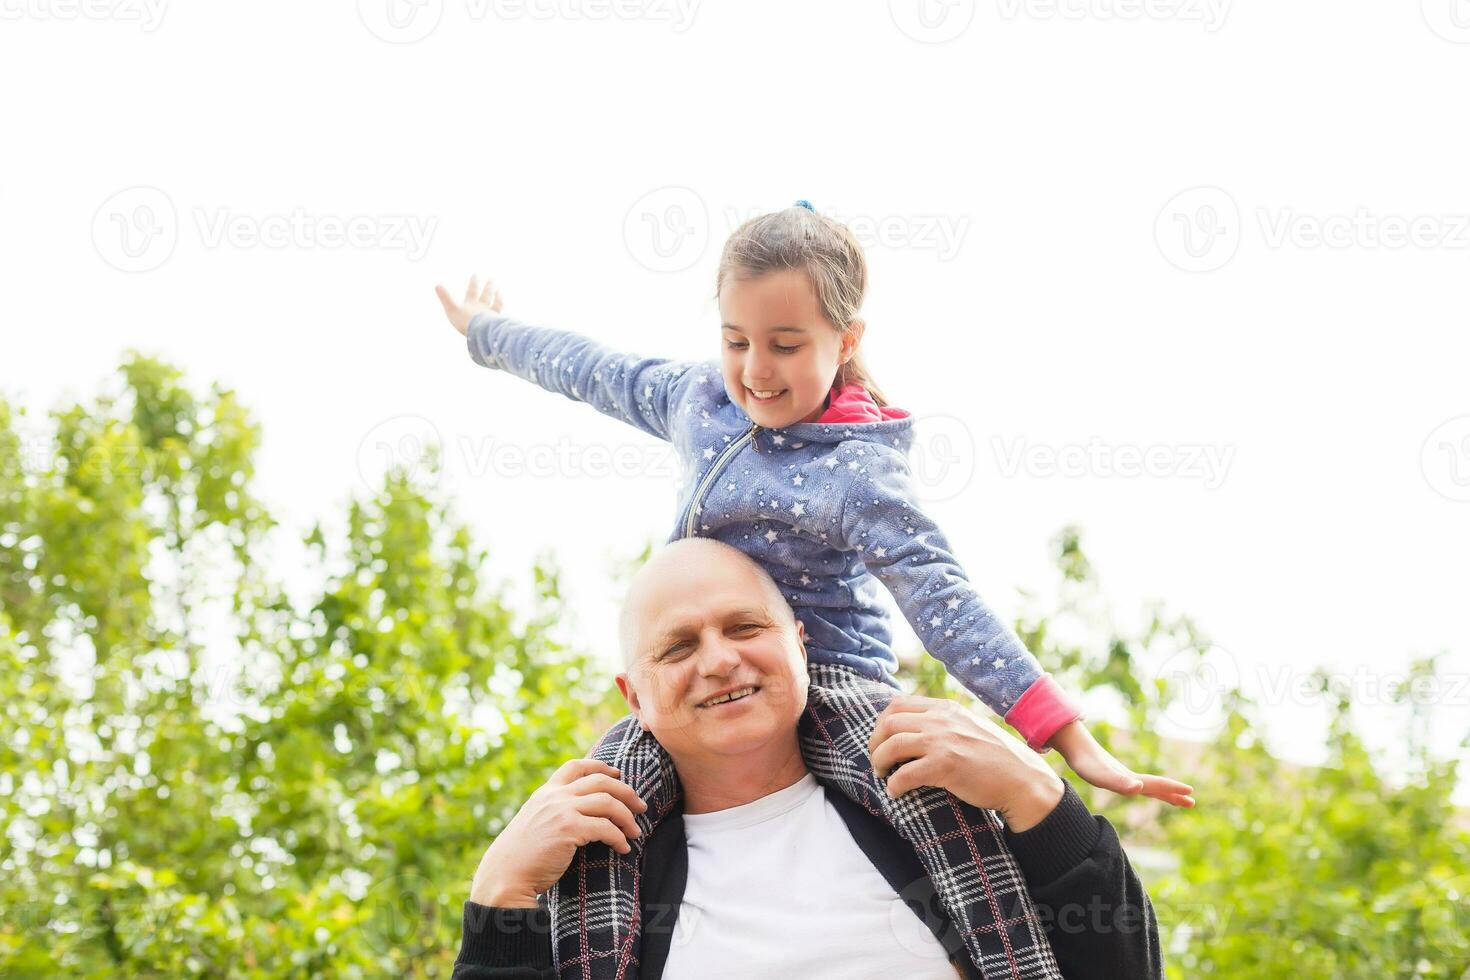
630 695
801 639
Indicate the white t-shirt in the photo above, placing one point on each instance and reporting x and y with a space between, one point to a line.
778 888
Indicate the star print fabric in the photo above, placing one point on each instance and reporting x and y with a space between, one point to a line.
830 511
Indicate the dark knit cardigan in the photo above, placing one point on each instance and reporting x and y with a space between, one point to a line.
1098 916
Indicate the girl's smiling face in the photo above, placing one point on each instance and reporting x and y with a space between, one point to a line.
777 343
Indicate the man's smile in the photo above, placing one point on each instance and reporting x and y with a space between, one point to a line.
729 696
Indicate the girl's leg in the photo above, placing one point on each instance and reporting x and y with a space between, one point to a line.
596 908
644 765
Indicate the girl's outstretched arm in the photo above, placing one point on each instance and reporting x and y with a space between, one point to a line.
641 391
881 519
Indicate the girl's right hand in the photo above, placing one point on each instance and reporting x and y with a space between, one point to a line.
583 801
476 300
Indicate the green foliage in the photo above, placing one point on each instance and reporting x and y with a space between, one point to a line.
1279 871
306 789
305 794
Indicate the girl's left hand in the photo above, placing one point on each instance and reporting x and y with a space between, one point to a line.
1096 764
477 299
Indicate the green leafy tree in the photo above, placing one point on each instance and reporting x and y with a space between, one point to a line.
1332 871
203 772
302 791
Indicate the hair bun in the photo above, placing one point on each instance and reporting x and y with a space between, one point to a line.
804 203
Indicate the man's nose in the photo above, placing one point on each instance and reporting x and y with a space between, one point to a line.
718 655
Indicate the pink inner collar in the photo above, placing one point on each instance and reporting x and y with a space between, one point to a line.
852 403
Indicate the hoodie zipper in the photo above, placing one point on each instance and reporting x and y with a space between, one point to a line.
714 471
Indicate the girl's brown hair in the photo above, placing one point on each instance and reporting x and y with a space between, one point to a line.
822 247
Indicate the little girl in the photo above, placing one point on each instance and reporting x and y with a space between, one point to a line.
799 461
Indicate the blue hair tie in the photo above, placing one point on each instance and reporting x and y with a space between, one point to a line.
805 204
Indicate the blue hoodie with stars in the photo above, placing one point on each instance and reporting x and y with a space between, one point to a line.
824 508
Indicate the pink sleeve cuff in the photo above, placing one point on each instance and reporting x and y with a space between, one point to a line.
1041 710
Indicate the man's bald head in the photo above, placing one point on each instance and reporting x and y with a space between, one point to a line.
702 619
684 564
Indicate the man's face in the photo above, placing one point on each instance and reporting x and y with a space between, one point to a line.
777 342
705 626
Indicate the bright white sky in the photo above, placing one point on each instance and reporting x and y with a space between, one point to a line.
1237 236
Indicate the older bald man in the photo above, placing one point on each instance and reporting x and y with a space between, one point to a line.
764 869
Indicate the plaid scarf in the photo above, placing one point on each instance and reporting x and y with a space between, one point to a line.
595 927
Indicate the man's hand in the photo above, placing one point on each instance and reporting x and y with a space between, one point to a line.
940 743
1096 764
582 802
477 299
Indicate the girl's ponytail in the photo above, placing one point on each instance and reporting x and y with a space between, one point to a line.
856 372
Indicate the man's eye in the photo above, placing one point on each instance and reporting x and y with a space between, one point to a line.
734 345
787 350
747 626
676 648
